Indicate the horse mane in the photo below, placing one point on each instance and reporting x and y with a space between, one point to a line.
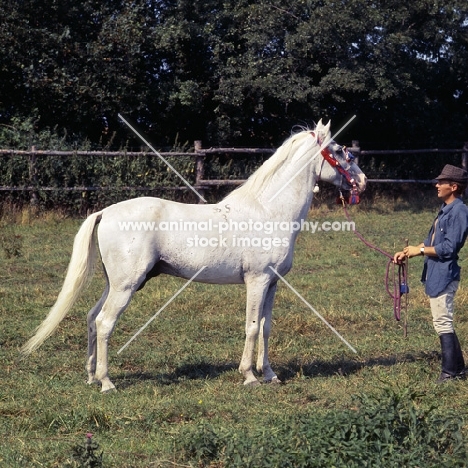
261 178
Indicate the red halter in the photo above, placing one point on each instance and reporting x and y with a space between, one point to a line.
353 198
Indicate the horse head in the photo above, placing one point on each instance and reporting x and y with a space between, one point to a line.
347 162
338 166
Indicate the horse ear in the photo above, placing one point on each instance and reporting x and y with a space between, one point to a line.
326 128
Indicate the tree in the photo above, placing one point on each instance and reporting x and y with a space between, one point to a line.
238 72
73 63
390 63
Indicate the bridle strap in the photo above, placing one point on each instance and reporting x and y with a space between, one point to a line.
400 286
328 156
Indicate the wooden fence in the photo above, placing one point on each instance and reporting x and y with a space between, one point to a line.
199 154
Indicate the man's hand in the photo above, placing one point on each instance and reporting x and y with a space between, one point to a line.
412 250
399 257
409 252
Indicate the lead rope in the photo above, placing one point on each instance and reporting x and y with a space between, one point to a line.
399 275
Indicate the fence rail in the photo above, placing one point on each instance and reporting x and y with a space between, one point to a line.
199 154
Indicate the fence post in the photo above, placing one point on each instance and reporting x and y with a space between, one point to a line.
465 156
34 200
356 150
464 160
199 168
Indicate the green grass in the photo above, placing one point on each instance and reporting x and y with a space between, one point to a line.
179 379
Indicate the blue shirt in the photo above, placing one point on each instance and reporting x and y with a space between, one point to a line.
448 239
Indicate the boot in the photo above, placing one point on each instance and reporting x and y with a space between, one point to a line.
460 362
449 357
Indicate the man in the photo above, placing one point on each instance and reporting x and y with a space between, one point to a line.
441 272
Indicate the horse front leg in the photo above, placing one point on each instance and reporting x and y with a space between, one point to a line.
263 363
256 291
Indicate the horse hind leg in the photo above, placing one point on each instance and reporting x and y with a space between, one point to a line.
115 303
92 337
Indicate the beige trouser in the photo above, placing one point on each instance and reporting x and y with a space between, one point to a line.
442 309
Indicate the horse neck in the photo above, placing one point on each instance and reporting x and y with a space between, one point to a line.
289 194
282 188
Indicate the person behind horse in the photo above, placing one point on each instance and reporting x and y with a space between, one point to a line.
441 272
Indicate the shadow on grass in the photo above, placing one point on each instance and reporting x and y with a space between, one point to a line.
345 367
317 368
198 371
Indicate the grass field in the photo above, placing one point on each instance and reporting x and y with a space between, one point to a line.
179 391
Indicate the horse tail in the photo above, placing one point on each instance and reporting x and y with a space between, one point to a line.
79 273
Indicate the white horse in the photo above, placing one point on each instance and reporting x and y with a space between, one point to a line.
248 237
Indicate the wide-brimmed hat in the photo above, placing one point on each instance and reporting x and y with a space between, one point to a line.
453 174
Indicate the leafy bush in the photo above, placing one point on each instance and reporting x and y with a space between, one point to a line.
105 179
86 455
109 178
390 430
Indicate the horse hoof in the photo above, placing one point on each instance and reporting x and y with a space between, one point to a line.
274 381
109 390
107 387
251 383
